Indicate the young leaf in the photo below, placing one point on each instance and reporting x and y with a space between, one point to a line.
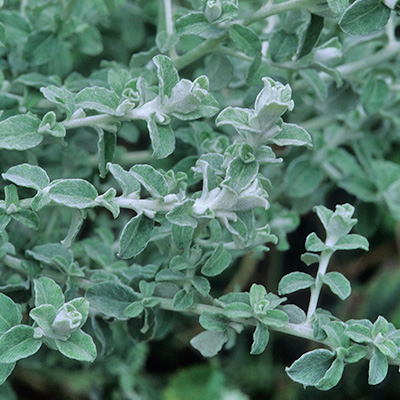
20 132
47 292
181 214
162 138
151 179
30 176
364 17
311 367
183 300
338 283
332 376
213 321
295 281
79 346
10 314
378 368
167 74
110 298
209 343
97 98
220 260
245 39
74 193
126 180
135 236
17 343
292 135
260 338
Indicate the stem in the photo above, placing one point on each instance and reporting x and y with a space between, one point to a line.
269 10
316 288
198 52
89 121
169 25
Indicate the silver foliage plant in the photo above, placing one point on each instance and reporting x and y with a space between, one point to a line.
99 228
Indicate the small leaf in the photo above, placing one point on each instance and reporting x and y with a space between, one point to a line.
167 74
218 262
238 310
135 236
162 138
275 318
364 17
359 333
17 343
260 338
20 132
110 298
97 98
126 180
30 176
310 35
195 23
10 314
338 283
181 214
245 39
332 376
74 193
351 242
240 175
183 300
311 367
374 94
295 281
48 292
209 343
202 285
105 149
314 243
378 368
213 321
61 97
79 346
5 371
292 135
151 179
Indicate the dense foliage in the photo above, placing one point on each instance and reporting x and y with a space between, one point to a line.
165 164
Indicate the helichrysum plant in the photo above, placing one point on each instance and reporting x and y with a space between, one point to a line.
152 152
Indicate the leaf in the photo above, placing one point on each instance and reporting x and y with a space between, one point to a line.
292 135
105 149
195 23
213 321
240 175
10 314
364 17
209 343
338 283
378 368
46 291
151 179
332 376
5 372
282 45
302 178
79 346
134 309
17 343
359 333
44 316
162 138
183 300
245 40
202 285
74 193
27 218
219 70
374 94
311 367
238 310
20 132
314 243
312 77
351 242
310 35
167 74
62 97
220 260
97 98
275 318
260 338
182 236
30 176
110 298
181 214
295 281
135 236
126 180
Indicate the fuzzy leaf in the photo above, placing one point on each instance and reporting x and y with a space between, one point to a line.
79 346
135 236
17 343
338 283
209 343
30 176
311 367
97 98
181 214
48 292
260 338
220 260
20 132
5 371
364 17
245 39
292 135
74 193
295 281
151 179
162 139
167 74
10 314
378 368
